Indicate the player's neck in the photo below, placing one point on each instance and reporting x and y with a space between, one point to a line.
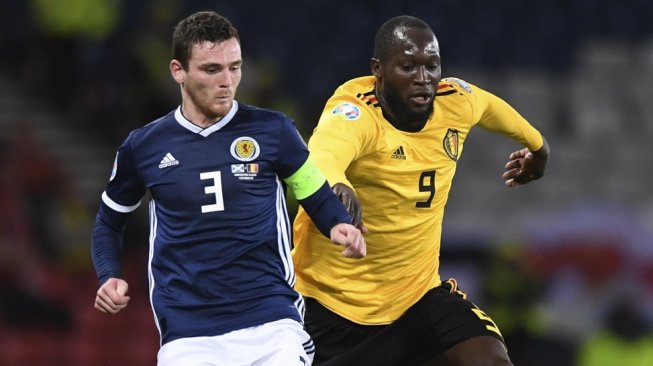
194 116
410 126
399 122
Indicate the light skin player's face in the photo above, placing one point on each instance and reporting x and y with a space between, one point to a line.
407 79
209 85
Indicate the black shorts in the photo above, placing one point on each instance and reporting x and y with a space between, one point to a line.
442 318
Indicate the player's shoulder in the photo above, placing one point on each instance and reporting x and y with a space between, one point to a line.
359 90
153 128
452 85
354 100
258 114
357 85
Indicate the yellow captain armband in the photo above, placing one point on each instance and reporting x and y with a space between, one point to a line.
306 180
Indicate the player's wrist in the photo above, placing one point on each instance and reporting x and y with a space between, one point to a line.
542 152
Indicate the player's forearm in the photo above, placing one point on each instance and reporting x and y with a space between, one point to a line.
325 209
106 243
502 118
312 191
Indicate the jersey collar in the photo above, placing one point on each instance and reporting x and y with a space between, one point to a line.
209 130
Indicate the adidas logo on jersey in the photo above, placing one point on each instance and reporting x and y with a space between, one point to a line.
399 154
167 161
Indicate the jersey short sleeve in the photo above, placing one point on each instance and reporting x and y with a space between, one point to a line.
125 188
293 151
346 130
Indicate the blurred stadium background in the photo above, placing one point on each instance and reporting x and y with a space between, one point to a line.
565 265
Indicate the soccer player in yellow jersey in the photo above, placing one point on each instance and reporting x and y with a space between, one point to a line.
389 144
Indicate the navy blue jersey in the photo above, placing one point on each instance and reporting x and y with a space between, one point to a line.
219 230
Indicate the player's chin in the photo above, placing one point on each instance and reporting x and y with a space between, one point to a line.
221 106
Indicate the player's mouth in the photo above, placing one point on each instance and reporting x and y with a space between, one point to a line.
421 98
223 99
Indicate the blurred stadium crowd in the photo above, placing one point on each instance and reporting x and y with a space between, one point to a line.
565 265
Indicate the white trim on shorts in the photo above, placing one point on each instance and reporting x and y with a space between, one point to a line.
279 343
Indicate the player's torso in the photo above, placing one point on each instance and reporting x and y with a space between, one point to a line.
218 223
403 181
201 183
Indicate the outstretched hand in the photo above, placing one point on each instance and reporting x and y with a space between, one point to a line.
525 166
348 198
112 296
351 238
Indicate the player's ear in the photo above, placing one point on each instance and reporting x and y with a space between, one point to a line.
375 66
177 71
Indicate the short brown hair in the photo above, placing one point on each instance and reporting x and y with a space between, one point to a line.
197 28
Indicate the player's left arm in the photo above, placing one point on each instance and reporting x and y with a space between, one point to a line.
313 192
524 165
311 189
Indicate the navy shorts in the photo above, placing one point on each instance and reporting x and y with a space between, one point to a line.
442 318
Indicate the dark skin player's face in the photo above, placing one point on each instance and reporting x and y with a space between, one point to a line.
407 78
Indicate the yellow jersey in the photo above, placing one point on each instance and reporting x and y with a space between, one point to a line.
402 180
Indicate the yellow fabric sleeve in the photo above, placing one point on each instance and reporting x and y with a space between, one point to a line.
498 116
337 142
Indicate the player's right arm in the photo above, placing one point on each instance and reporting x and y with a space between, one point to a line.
336 142
312 191
112 296
353 206
121 197
106 244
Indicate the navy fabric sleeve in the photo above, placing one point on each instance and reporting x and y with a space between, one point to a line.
325 209
106 242
293 151
125 186
323 206
122 195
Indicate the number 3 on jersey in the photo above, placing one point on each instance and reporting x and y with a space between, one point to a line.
426 184
215 189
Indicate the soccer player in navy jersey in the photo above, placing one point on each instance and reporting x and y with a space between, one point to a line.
220 273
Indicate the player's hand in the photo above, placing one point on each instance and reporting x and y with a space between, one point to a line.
351 238
112 296
348 198
525 166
